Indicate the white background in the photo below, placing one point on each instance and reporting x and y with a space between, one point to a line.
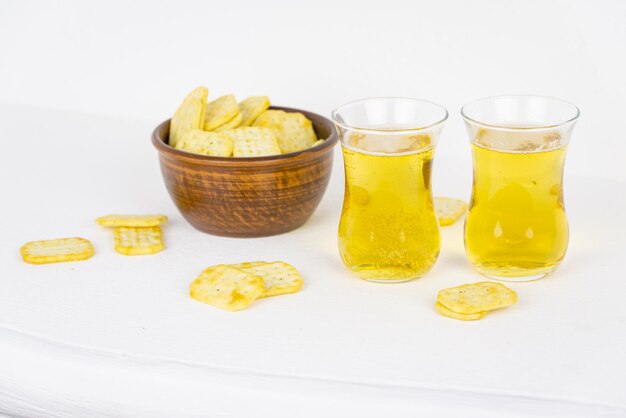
82 85
138 59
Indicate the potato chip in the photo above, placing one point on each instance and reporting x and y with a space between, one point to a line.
318 142
220 111
226 288
138 241
252 107
278 278
56 250
463 317
206 143
190 115
132 220
448 210
477 297
293 130
231 124
253 142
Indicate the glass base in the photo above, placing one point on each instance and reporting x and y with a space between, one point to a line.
516 274
530 278
390 280
387 274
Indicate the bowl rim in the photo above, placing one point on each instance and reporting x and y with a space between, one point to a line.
161 146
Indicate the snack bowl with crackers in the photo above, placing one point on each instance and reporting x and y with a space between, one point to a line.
219 191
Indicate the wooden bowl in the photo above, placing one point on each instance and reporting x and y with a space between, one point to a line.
248 197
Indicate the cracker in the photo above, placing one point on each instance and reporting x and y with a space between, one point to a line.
293 130
56 250
215 144
252 107
463 317
448 210
253 142
140 221
138 241
220 111
477 297
190 115
231 124
318 142
278 278
226 288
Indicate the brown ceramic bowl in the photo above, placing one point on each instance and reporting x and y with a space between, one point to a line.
248 197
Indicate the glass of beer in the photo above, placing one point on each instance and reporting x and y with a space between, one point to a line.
388 230
516 228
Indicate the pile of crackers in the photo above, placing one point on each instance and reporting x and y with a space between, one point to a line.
133 235
473 301
225 128
234 287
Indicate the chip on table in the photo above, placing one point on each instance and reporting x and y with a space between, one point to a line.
189 116
279 278
226 288
138 241
140 221
56 250
293 130
478 297
463 317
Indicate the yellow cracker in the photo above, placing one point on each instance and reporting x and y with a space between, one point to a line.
138 241
278 278
318 142
463 317
448 210
226 288
141 221
477 297
253 142
252 107
231 124
293 130
220 111
190 115
56 250
206 143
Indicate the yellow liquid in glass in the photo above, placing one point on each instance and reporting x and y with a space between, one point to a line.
516 226
388 229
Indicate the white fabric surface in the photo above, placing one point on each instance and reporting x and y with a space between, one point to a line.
119 336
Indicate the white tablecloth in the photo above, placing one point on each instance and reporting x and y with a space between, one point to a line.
119 336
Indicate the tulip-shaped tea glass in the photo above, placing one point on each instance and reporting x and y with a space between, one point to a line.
516 228
388 230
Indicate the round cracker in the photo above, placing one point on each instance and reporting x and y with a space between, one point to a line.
252 107
220 111
189 115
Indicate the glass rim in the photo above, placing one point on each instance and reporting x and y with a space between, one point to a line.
520 128
335 112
